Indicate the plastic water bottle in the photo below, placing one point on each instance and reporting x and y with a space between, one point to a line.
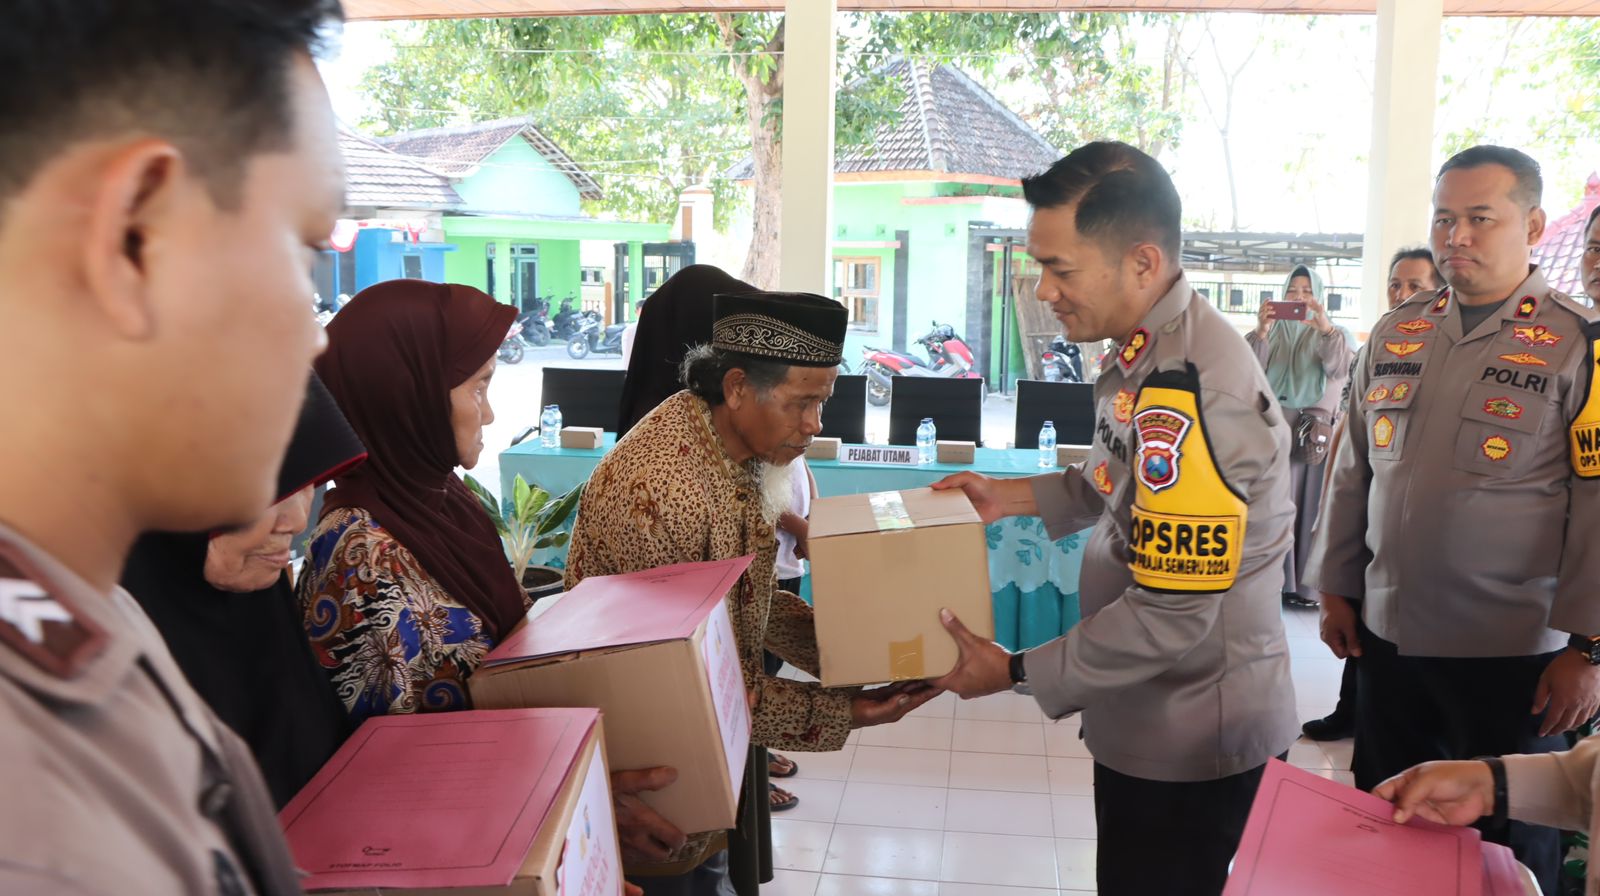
927 437
550 426
1047 444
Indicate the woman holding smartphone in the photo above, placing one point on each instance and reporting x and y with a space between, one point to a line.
1307 359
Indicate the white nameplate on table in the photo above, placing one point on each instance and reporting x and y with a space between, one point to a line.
878 454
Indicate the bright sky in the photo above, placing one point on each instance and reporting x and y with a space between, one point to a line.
1301 121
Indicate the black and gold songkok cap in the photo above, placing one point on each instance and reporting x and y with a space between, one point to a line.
788 327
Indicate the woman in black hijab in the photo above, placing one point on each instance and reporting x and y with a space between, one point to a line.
225 607
676 318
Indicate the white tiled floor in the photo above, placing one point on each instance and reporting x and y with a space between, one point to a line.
979 798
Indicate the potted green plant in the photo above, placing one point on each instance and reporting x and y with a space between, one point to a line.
530 522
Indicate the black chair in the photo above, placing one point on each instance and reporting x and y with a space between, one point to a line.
956 407
1070 406
844 417
587 397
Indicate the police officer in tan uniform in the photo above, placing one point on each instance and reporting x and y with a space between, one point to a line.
1180 666
1462 505
167 171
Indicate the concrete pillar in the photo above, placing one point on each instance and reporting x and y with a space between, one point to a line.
805 235
1401 164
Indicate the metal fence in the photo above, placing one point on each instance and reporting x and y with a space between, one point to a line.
1246 298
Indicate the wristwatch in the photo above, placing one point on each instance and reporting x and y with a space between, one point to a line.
1019 673
1588 646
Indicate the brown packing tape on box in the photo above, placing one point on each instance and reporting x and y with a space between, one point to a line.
823 449
957 452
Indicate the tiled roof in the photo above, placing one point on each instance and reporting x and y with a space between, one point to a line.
948 123
1561 247
379 178
458 151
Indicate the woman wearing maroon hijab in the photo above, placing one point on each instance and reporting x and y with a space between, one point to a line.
407 586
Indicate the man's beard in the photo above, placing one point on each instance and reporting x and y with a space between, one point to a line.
777 489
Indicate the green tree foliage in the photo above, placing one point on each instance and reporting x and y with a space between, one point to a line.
654 104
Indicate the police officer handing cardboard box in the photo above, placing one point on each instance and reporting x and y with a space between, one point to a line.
1180 666
1463 503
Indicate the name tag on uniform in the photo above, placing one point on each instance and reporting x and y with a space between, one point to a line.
880 455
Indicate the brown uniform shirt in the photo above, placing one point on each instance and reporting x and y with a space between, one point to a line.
1176 687
1451 506
117 779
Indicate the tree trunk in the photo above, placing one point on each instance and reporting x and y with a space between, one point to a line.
761 263
761 95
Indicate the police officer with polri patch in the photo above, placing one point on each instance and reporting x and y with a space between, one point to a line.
1463 503
1180 666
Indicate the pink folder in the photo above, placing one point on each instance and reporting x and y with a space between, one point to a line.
445 800
623 610
1310 836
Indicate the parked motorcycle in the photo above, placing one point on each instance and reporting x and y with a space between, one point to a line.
1063 362
536 326
511 350
566 322
948 356
590 338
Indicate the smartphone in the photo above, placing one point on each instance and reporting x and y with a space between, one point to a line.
1286 310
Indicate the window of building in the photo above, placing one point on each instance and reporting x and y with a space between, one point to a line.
592 276
856 283
411 266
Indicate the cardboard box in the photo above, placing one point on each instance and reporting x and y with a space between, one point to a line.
567 811
823 449
956 452
1067 455
656 652
882 565
582 437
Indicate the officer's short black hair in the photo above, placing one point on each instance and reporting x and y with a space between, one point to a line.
1417 252
1592 215
211 76
1529 190
1124 196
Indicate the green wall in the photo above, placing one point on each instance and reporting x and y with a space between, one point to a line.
936 281
558 265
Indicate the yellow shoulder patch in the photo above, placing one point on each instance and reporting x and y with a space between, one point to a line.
1584 433
1188 525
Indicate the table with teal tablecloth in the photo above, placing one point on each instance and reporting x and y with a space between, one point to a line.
1034 579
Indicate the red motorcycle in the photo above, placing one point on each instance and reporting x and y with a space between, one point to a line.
948 356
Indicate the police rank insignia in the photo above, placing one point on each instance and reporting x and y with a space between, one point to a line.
1137 343
1378 394
1122 405
1440 304
1503 407
1535 335
1161 431
1383 431
1526 308
1401 390
1401 348
1526 360
1413 327
1496 448
1102 479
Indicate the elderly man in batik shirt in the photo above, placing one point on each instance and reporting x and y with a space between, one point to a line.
705 476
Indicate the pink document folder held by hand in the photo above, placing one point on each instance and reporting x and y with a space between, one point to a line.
1310 836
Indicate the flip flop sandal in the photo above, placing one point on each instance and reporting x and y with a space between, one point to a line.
782 805
775 759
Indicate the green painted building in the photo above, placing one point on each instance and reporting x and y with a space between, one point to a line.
921 216
518 231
